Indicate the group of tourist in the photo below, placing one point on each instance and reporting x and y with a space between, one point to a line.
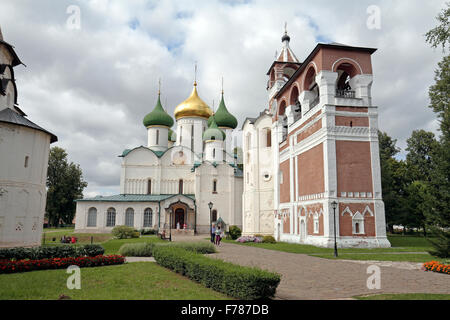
65 239
216 234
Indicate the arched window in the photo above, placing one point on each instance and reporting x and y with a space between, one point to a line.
92 217
214 215
129 217
214 186
345 71
111 217
180 186
148 217
358 223
157 137
311 85
149 186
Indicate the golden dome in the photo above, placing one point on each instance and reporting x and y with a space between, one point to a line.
193 107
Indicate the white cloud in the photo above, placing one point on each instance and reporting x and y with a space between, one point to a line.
93 86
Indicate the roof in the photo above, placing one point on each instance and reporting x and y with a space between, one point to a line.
158 117
213 132
223 117
159 154
16 60
253 120
319 46
135 198
9 116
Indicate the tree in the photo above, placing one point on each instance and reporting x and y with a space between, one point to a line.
419 202
392 180
439 217
65 185
422 147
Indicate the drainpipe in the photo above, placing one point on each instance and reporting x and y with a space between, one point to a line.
195 218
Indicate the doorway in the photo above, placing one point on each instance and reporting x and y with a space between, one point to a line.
179 218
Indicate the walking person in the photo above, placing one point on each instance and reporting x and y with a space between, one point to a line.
218 233
213 233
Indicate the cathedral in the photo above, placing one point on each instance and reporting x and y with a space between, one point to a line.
311 166
183 180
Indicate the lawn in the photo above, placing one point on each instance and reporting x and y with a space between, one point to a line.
404 248
131 281
406 296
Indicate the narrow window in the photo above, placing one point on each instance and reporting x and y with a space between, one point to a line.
26 161
214 153
214 215
192 137
129 217
357 228
215 186
149 186
181 134
148 218
269 138
157 137
180 186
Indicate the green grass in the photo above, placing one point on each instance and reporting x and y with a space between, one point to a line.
112 246
131 281
406 296
404 248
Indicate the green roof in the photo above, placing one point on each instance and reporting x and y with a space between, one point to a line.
159 154
213 132
223 117
136 197
158 117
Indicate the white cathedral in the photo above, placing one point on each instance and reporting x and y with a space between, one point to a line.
184 180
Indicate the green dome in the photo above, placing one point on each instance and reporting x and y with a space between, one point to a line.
213 132
158 117
223 117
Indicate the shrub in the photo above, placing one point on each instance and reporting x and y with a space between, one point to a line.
233 280
249 239
63 251
147 231
124 232
58 263
268 239
197 247
137 249
234 232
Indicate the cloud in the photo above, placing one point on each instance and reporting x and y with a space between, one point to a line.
93 86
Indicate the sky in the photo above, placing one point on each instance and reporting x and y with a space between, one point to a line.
91 78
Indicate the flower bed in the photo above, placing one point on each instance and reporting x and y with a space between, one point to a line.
436 266
59 263
249 239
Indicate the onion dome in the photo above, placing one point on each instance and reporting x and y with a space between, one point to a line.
223 117
158 117
285 38
193 107
172 135
213 132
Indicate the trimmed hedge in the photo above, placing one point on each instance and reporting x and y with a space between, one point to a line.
234 232
59 263
233 280
145 249
64 251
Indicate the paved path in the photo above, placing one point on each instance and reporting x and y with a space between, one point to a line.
306 277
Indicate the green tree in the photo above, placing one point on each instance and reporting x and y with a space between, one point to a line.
64 185
422 147
439 217
393 174
419 202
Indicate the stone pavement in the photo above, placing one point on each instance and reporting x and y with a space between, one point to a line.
305 277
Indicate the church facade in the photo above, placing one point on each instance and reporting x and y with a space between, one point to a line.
172 181
311 159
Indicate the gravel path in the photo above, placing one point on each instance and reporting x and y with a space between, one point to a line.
305 277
